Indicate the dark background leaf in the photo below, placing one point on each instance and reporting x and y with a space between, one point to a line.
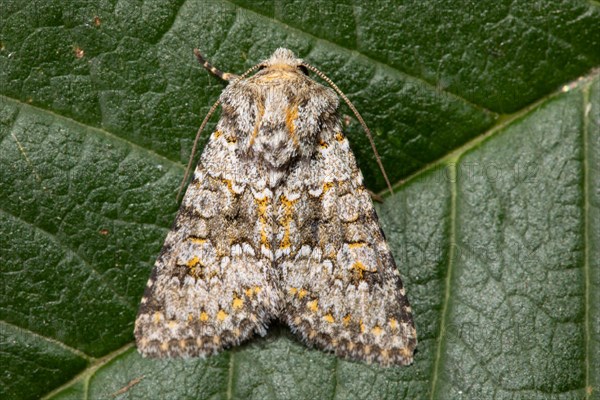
485 113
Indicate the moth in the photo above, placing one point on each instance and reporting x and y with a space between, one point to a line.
277 224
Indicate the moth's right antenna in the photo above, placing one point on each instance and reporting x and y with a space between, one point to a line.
225 76
360 119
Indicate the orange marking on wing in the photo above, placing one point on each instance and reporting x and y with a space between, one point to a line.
291 113
329 318
261 112
221 315
286 220
346 319
339 137
195 266
394 324
313 305
302 293
263 204
357 270
193 262
376 330
356 245
203 316
217 134
326 187
237 303
229 184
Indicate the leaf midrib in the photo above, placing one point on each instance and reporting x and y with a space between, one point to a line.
89 372
448 282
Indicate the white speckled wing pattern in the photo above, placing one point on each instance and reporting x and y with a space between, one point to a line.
277 224
211 287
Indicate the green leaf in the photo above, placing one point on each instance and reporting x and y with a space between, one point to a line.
486 115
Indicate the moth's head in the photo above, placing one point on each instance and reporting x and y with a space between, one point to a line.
284 60
282 56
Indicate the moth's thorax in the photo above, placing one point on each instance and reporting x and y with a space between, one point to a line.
282 68
279 74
